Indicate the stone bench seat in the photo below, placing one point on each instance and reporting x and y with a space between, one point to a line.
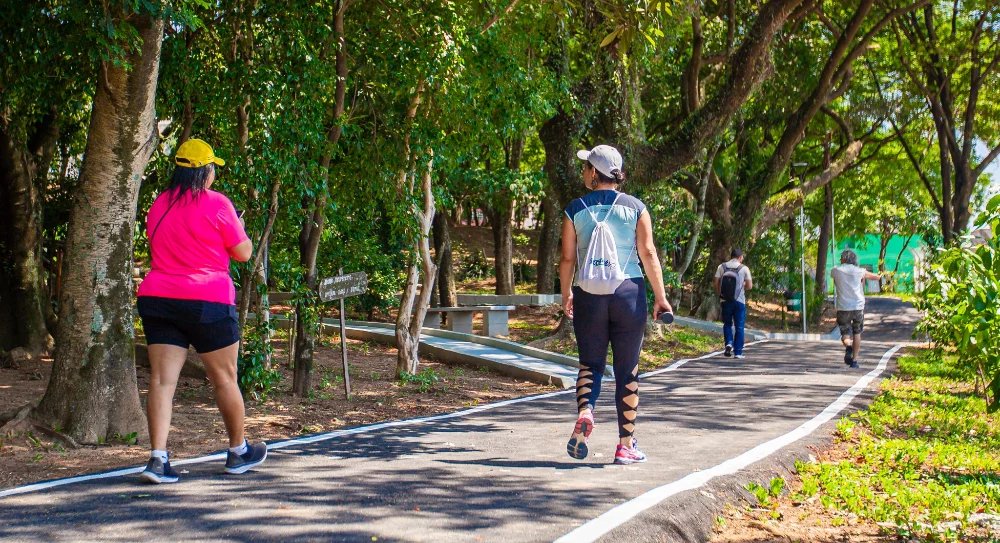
460 318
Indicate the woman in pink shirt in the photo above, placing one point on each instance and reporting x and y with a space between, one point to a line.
188 299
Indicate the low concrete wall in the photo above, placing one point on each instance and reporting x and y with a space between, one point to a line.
514 299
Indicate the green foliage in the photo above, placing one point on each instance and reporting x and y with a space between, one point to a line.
765 495
926 460
474 266
424 379
255 379
962 304
524 272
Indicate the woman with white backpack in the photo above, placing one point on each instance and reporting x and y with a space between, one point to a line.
605 234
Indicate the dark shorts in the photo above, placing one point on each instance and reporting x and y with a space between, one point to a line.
208 326
851 323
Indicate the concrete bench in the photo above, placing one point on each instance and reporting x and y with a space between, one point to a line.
494 318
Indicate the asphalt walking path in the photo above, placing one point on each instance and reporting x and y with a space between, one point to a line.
493 473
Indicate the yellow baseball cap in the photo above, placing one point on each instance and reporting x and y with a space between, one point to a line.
195 153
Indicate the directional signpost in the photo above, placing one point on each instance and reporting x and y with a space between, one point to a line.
337 288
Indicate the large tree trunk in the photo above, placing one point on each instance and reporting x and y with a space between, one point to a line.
503 248
448 296
312 231
548 244
23 169
501 214
825 232
883 246
92 392
560 137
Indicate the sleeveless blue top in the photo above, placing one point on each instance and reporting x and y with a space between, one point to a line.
623 217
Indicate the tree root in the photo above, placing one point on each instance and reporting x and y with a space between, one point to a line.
23 421
563 332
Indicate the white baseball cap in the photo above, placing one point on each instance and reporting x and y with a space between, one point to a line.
605 158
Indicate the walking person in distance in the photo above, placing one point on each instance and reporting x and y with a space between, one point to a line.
601 233
732 280
188 299
849 278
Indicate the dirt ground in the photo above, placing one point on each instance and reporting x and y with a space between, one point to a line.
465 239
197 427
766 314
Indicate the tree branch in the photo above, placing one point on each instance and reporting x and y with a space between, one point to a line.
749 66
784 207
496 16
844 127
986 162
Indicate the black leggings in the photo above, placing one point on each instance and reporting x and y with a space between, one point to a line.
618 319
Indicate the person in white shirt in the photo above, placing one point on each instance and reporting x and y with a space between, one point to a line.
732 280
849 280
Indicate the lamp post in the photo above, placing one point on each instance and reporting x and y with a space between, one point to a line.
800 167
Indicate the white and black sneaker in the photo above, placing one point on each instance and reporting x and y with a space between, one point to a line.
729 351
241 463
158 471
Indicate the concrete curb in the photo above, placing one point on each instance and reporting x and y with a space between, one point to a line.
386 335
457 357
504 344
716 327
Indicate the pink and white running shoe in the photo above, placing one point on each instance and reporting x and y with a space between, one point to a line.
577 446
625 455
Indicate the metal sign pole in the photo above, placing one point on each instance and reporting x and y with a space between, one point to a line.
343 345
802 219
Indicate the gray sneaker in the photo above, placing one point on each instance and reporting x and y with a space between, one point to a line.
157 472
241 463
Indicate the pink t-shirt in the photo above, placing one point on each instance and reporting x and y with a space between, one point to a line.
190 248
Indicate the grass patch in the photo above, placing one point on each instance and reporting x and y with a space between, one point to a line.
924 460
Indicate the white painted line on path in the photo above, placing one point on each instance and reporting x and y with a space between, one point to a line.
594 529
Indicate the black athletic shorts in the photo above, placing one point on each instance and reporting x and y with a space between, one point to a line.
208 326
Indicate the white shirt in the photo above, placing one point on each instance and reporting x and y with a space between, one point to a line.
849 280
744 275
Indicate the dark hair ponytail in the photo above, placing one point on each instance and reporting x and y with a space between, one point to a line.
190 180
617 176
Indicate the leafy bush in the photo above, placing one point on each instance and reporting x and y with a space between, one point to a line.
962 304
256 380
525 272
424 379
474 266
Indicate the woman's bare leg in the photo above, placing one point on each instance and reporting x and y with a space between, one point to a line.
221 368
165 363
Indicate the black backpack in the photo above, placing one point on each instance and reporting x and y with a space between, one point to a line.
730 282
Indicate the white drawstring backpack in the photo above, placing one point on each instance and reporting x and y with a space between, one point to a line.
600 273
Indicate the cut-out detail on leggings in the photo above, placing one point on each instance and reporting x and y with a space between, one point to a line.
584 388
617 320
